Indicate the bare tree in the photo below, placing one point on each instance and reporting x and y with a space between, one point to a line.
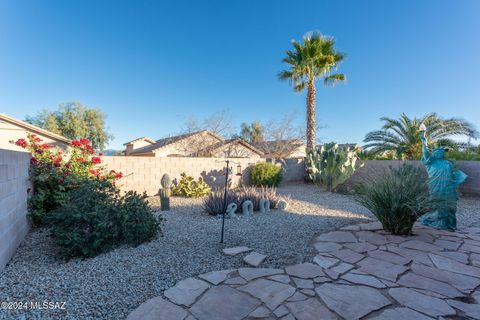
219 123
284 138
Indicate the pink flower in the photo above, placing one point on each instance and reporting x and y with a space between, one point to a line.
22 143
96 160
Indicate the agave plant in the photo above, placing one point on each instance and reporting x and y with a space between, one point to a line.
402 135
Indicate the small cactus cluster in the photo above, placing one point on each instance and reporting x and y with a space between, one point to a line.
165 192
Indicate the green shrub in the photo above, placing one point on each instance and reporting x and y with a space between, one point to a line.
266 174
214 204
188 187
96 219
397 198
331 165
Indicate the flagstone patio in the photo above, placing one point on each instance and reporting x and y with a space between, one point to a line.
360 272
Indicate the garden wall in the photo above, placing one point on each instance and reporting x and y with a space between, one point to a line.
144 173
14 184
371 167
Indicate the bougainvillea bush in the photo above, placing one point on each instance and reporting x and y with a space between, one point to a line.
54 172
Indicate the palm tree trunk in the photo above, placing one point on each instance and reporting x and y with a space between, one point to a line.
311 119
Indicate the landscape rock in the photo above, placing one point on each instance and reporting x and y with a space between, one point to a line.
340 298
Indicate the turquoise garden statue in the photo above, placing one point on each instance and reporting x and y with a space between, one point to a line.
443 182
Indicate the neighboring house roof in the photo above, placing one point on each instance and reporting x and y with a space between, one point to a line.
138 139
170 140
269 147
34 129
222 144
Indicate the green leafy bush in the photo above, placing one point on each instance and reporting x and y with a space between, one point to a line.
266 174
397 198
214 204
331 164
96 219
188 187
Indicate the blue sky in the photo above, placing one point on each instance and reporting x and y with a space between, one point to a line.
150 64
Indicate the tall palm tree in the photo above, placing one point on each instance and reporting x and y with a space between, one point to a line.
312 60
402 135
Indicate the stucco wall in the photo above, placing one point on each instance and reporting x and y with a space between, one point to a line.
9 132
144 173
372 167
13 201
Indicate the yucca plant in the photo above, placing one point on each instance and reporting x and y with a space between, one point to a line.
397 197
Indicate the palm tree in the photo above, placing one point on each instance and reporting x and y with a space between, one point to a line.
402 135
309 61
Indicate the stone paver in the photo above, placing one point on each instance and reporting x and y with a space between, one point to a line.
272 293
411 280
305 270
363 279
310 309
327 246
223 302
254 259
158 308
253 273
471 310
401 314
235 250
215 277
359 272
325 262
421 302
186 291
347 255
382 269
454 266
351 302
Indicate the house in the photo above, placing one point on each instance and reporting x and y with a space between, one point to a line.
12 129
282 149
195 144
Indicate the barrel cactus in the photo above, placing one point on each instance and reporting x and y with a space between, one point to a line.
331 165
165 192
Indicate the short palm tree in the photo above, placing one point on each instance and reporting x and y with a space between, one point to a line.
402 135
312 60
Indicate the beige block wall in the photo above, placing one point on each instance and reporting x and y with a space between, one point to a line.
14 184
144 173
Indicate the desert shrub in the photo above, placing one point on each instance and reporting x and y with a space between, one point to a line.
214 204
331 165
188 187
266 174
96 219
397 198
53 173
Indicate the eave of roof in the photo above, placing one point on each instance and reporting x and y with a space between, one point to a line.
31 127
141 138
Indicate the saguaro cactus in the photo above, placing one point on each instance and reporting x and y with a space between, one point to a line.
165 192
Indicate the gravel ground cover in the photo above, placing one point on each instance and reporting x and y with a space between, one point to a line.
113 284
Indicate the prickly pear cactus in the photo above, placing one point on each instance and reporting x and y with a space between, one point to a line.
331 165
165 192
